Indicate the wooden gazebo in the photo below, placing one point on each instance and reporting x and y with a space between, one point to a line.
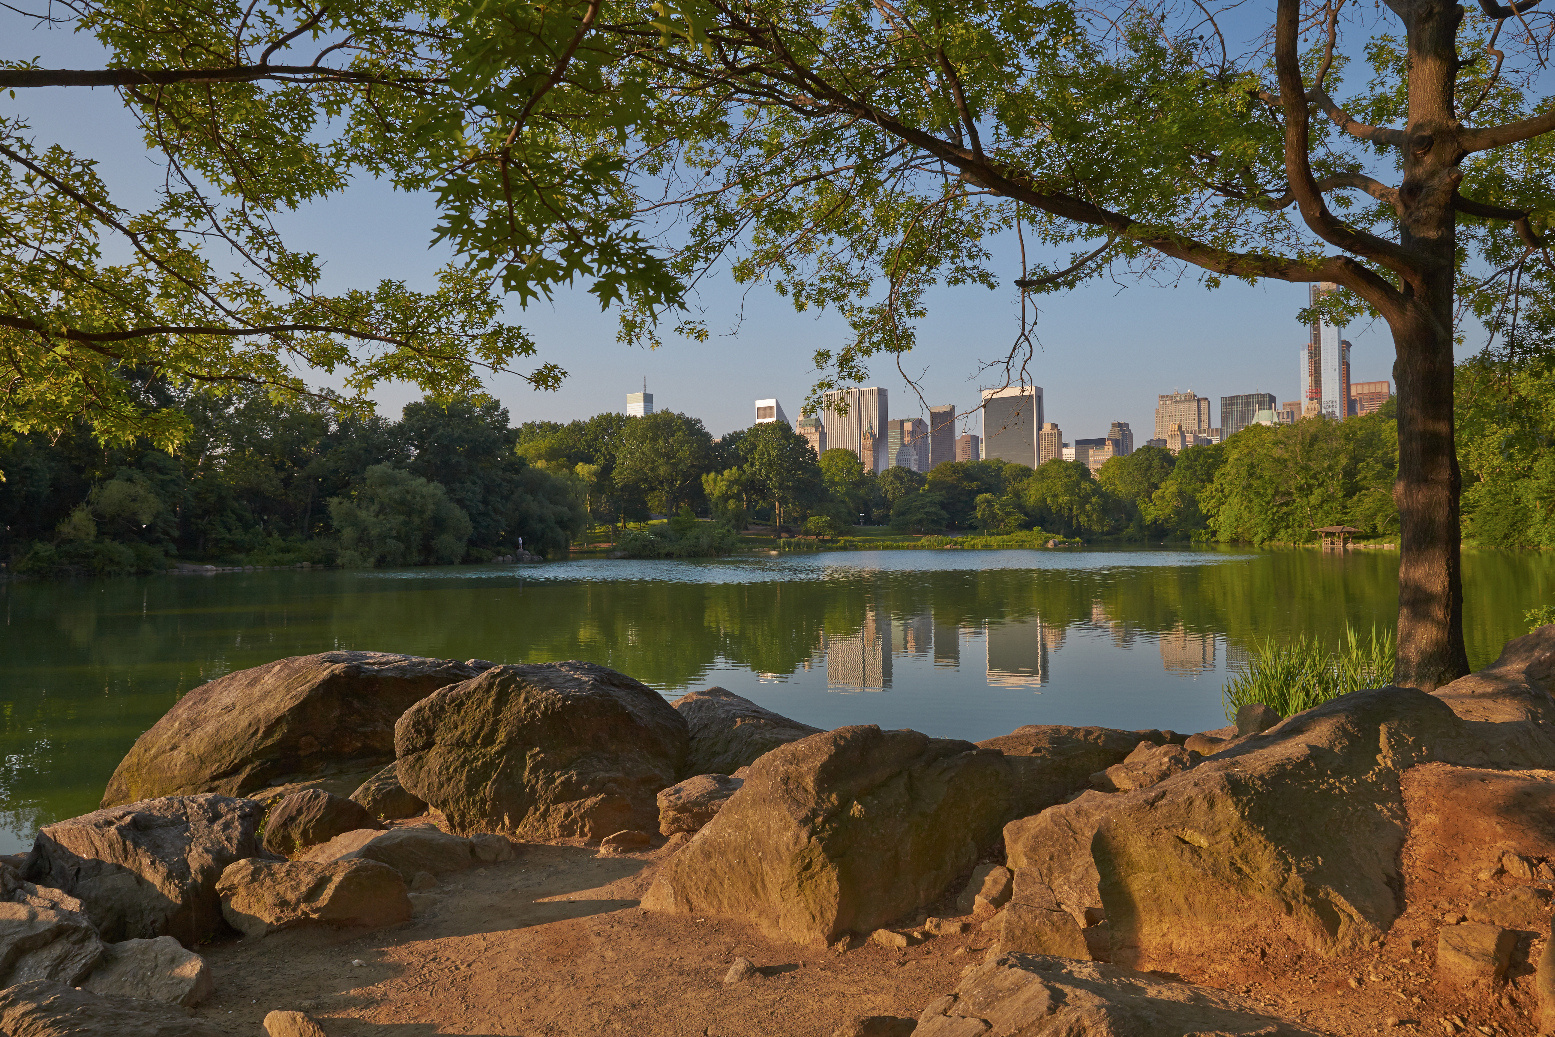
1336 538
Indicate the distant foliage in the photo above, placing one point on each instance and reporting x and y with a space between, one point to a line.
1292 678
399 519
1505 414
702 540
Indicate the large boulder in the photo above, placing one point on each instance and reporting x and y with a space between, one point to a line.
1509 707
46 943
385 798
729 731
406 850
305 717
310 817
17 890
1055 759
849 830
690 804
1017 995
1296 831
153 970
149 869
47 1009
260 896
546 751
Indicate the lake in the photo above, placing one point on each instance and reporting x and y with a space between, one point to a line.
966 644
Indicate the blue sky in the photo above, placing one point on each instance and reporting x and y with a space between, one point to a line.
1107 349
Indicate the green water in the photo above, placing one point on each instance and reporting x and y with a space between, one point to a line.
966 644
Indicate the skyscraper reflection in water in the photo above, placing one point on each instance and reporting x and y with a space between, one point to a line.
1017 651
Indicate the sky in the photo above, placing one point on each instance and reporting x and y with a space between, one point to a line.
1106 350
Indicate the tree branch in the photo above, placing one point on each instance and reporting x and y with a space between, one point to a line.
25 78
1510 133
1519 218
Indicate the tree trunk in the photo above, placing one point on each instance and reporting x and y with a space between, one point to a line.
1430 579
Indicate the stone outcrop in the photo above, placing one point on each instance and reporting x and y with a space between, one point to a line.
687 806
308 818
385 798
1018 995
47 1009
406 850
149 869
1149 764
1473 954
729 731
1465 822
261 896
17 890
1053 760
1509 706
292 1024
46 943
305 717
544 751
1297 831
851 829
152 970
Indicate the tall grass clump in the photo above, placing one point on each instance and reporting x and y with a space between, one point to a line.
1291 678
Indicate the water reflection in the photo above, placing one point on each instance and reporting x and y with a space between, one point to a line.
964 644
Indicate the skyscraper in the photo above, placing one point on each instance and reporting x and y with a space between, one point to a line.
1050 443
770 410
639 404
969 447
1093 452
814 433
942 434
907 444
1011 418
1325 364
1122 439
1187 409
1368 397
855 419
1238 412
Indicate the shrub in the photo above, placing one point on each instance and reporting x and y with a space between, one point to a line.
706 540
399 519
1542 616
1295 677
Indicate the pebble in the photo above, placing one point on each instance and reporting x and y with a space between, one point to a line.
358 962
1391 1021
743 970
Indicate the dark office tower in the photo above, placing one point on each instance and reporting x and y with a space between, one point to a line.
1238 412
1011 418
969 447
1122 439
942 434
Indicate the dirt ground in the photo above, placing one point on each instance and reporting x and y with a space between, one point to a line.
553 943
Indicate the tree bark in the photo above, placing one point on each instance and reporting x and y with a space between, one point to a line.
1430 587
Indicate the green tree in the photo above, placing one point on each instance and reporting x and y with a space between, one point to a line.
728 494
846 483
1175 508
780 466
1132 481
896 483
1506 433
399 519
997 513
918 512
1063 497
662 456
960 484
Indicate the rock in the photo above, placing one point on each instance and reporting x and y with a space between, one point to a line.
422 881
1464 821
1523 908
947 926
876 1026
1255 718
1036 924
851 829
149 869
385 798
1473 954
406 850
492 849
688 806
307 715
1508 706
46 943
1295 832
43 1008
308 818
626 840
153 970
18 890
892 939
742 971
987 890
292 1024
547 751
260 896
1036 996
729 731
1207 743
1544 982
1149 764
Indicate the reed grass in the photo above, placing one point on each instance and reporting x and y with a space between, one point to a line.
1294 677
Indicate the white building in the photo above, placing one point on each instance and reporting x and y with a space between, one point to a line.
639 404
771 410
